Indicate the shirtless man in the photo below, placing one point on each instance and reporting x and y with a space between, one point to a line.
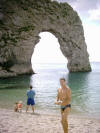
63 99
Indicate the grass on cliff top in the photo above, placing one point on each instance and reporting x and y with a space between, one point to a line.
26 28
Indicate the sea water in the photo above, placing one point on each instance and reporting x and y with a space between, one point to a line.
85 87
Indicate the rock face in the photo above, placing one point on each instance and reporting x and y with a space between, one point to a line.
21 21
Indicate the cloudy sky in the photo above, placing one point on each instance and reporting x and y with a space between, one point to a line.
89 11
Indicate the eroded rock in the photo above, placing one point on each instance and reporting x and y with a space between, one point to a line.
21 23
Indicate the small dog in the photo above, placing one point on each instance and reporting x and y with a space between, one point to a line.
18 106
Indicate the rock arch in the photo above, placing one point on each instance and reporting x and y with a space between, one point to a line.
21 22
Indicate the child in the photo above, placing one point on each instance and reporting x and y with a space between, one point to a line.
18 106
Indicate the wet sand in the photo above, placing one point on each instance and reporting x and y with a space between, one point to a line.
12 122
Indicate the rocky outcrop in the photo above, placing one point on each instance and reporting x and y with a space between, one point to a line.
21 21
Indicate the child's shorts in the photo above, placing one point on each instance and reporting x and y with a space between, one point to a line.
30 101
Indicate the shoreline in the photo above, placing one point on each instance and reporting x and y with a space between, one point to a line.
39 122
57 113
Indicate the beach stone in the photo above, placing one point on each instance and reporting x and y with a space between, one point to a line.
19 33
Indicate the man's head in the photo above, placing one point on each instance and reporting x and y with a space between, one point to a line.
30 87
62 81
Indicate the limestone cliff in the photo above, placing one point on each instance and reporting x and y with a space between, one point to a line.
21 21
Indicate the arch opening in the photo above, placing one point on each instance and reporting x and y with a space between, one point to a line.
47 51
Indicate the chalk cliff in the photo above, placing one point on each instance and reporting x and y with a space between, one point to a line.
21 21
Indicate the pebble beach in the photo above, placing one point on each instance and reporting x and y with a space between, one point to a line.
12 122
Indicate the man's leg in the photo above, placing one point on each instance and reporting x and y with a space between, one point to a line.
33 108
64 121
27 107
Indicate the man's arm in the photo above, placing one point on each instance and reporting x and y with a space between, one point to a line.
58 102
57 99
33 91
27 93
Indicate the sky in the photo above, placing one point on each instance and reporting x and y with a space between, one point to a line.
48 51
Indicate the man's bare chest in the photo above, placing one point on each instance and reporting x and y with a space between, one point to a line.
62 94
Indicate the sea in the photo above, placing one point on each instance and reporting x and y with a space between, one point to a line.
85 87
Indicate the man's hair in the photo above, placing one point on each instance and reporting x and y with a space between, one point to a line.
62 79
30 86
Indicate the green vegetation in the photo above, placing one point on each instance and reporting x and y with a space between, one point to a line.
6 38
76 19
1 22
11 12
56 3
51 20
57 17
26 28
25 8
69 22
64 13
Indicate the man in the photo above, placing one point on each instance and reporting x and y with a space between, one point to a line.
30 98
64 99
